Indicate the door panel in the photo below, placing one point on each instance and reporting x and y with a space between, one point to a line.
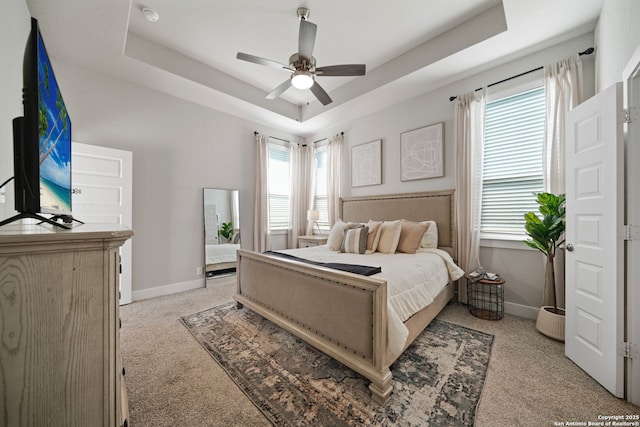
102 194
211 225
594 275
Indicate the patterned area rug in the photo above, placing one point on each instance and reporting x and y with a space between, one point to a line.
437 381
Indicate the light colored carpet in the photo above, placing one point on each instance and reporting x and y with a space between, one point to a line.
172 380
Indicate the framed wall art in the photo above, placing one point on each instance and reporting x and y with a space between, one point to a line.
366 164
421 153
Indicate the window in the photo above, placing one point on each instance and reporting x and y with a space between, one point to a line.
320 199
279 188
512 171
279 198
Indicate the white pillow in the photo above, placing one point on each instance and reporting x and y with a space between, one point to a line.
389 236
374 236
430 237
334 241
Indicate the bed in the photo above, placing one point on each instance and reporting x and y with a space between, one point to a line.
317 303
220 258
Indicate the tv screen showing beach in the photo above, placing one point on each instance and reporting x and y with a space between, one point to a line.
54 129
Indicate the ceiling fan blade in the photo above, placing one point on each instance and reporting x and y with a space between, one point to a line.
279 90
306 38
320 93
263 61
342 70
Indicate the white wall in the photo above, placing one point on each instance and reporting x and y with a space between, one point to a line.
15 25
522 268
617 37
178 148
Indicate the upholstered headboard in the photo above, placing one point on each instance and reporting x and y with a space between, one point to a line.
436 205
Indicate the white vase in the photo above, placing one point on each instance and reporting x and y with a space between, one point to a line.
550 323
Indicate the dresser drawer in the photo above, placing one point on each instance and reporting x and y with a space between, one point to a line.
309 241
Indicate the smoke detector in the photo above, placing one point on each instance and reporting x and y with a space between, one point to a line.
150 14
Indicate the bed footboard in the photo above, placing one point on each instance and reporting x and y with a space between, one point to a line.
341 314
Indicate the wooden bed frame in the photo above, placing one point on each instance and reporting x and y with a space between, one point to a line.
342 314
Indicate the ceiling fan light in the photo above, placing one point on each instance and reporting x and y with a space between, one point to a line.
302 80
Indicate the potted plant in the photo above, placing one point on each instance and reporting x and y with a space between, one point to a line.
226 230
546 234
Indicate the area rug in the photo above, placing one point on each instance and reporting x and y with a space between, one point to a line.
436 382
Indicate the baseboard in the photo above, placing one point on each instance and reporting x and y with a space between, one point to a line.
167 289
521 310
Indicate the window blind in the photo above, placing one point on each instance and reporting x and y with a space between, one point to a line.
512 169
278 184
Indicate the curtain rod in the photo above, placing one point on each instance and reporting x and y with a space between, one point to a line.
273 137
320 140
284 140
588 51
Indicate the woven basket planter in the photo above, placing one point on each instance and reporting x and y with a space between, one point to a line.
551 324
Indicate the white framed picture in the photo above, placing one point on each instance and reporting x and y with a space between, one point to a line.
366 164
421 153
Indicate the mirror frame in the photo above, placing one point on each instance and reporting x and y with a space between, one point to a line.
221 209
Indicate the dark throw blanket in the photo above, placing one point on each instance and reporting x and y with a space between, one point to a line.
363 270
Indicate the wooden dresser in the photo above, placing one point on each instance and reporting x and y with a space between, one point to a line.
60 359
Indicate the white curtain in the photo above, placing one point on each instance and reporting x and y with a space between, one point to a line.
469 140
261 236
235 210
563 89
311 186
334 163
298 206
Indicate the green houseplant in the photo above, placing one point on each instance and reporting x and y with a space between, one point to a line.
546 234
226 230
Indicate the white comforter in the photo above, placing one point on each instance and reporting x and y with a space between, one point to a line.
413 281
225 252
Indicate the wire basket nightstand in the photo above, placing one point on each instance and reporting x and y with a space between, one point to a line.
485 297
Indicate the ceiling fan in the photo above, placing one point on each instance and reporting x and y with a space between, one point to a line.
302 65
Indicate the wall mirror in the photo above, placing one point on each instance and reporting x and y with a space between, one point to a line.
221 231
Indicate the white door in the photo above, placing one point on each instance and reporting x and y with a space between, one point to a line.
211 225
595 251
102 194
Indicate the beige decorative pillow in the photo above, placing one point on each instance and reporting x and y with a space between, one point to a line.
389 236
355 240
430 238
334 241
373 236
411 236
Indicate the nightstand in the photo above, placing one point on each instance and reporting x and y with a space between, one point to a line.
485 297
308 241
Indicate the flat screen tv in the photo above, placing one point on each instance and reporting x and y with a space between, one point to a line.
41 140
